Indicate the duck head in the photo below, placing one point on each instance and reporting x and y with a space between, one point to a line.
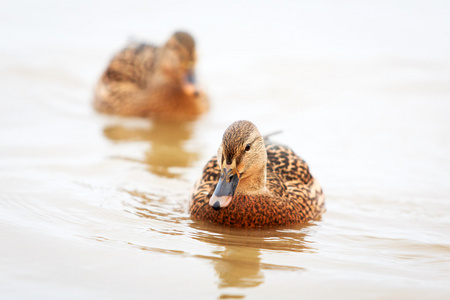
178 59
242 159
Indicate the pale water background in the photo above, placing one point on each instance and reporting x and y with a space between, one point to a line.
94 207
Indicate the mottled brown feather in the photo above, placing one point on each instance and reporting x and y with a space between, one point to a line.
134 84
294 196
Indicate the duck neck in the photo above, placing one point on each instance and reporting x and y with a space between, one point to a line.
253 183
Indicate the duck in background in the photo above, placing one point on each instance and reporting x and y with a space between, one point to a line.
158 82
255 184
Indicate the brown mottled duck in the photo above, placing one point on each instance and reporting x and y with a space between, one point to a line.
158 82
254 184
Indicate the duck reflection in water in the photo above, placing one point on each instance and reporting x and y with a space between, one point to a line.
238 267
238 263
237 253
167 145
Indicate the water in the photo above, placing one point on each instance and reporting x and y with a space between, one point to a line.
95 207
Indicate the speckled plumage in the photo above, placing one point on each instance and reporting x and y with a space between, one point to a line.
146 81
293 195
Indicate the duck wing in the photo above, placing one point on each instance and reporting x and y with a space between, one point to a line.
288 176
121 88
133 65
205 186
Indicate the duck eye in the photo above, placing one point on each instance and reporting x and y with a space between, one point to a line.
247 148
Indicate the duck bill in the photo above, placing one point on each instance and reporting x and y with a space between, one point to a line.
190 83
225 189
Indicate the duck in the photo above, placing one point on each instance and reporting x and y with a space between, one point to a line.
253 182
144 80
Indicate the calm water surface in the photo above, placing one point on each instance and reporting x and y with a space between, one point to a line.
95 207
